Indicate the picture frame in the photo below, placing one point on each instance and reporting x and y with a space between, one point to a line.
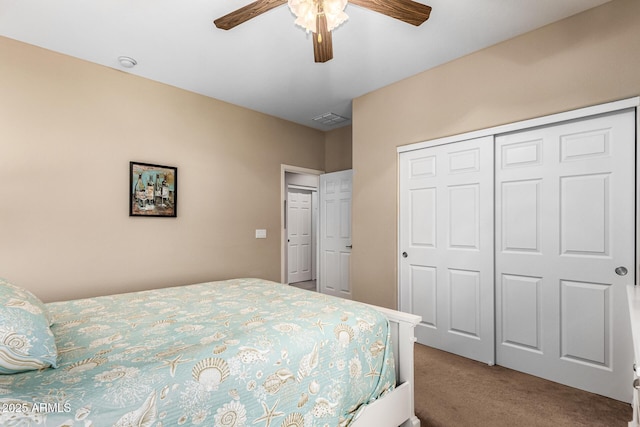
153 190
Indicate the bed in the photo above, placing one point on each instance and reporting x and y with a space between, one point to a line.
239 352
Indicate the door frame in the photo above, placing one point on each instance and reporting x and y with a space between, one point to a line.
283 197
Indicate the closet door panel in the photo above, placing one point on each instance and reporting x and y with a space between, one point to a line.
446 241
464 311
586 339
464 216
520 305
423 219
584 205
564 221
423 287
521 216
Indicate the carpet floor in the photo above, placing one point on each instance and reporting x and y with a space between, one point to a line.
455 391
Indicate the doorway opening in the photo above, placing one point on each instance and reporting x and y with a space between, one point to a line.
298 224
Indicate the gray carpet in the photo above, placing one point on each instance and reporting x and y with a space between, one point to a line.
455 391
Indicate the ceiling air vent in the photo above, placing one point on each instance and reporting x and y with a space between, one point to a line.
330 119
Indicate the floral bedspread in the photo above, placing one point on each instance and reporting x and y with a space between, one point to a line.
243 352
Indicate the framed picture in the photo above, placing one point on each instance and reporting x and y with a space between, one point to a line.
153 190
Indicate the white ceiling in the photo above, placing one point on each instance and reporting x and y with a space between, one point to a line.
266 64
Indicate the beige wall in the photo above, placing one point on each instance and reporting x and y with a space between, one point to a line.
68 130
338 149
591 58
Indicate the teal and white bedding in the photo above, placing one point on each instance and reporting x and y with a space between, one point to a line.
243 352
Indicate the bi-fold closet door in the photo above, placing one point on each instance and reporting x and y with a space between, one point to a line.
521 256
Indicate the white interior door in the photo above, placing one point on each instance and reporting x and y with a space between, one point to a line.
299 235
335 234
446 244
564 223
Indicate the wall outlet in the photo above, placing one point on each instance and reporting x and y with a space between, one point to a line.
261 234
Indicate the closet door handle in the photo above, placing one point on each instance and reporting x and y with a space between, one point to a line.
404 254
621 271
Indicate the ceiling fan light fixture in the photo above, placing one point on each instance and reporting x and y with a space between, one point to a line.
322 16
307 11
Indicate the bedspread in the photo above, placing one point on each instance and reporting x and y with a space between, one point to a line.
243 352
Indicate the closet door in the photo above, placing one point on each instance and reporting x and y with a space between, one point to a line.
446 246
565 252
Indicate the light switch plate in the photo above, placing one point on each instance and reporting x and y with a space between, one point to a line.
261 234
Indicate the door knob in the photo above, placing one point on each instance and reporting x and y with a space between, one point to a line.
349 246
404 254
621 271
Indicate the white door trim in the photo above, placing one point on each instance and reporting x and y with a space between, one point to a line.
301 187
637 260
526 124
283 196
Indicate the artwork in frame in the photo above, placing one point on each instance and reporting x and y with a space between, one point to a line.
153 190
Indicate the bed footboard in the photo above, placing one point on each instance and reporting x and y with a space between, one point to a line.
397 407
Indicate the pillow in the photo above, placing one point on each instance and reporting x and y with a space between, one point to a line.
26 341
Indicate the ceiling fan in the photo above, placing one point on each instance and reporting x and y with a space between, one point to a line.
322 16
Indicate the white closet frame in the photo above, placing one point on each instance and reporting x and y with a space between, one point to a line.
634 292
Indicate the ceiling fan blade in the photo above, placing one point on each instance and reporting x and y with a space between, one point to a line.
322 41
243 14
411 12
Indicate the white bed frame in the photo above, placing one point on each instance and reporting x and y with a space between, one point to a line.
397 407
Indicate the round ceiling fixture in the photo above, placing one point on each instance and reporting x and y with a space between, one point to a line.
127 62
